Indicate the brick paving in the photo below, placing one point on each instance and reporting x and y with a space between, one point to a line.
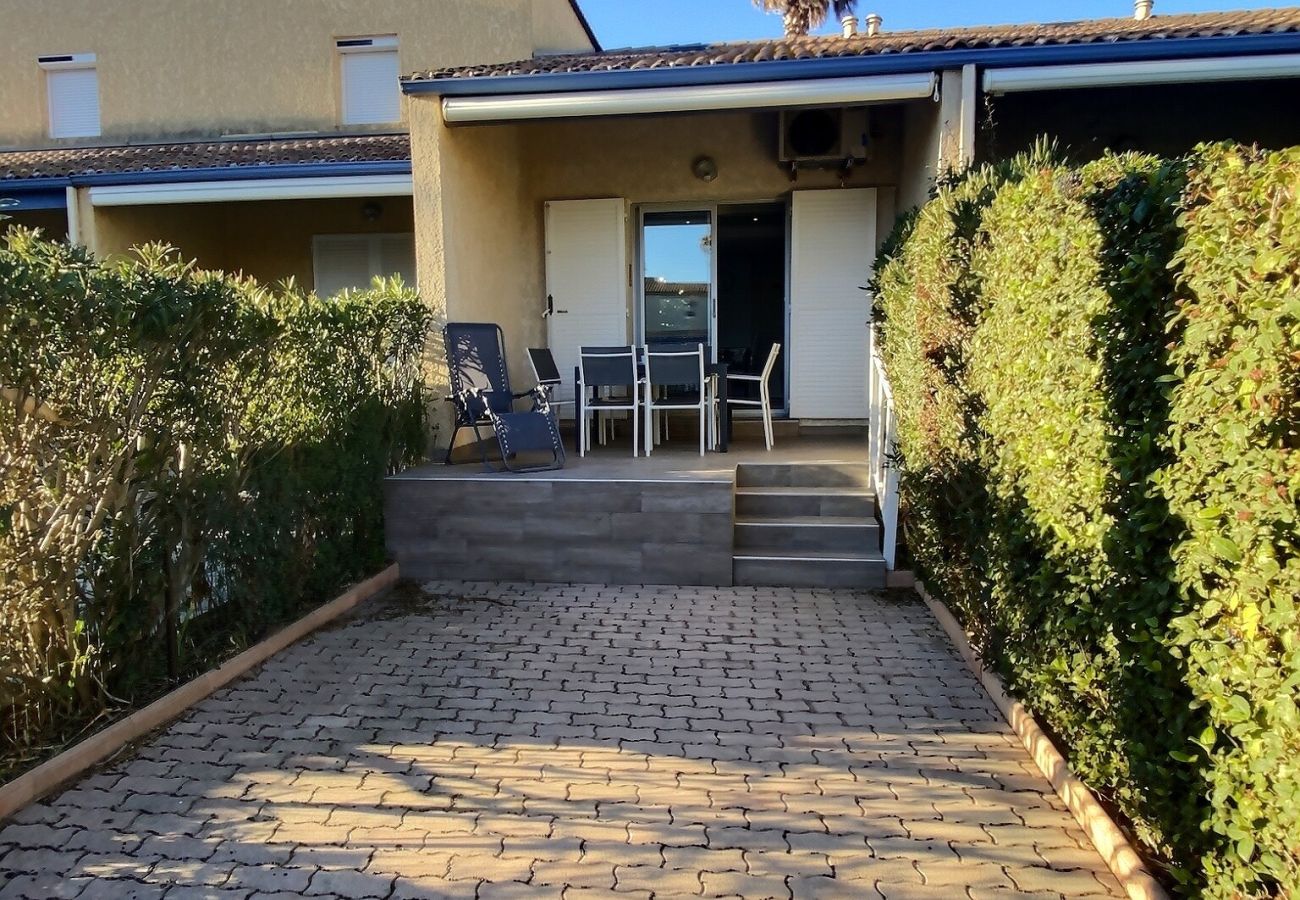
496 741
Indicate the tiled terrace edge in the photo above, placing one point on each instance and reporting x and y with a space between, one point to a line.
1120 857
74 761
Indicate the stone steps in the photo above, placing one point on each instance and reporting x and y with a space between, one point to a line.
806 525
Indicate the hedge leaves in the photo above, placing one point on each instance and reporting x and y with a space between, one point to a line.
1096 371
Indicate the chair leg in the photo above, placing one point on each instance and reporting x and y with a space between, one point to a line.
636 428
650 427
704 427
767 417
582 428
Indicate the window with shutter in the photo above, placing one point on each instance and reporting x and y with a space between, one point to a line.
342 261
369 71
72 95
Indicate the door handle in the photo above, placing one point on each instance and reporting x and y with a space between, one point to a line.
550 307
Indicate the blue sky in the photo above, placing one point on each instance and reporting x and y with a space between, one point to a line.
630 23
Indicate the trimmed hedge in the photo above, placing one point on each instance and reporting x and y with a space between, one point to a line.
188 459
1055 493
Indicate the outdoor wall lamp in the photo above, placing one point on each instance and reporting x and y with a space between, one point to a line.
705 168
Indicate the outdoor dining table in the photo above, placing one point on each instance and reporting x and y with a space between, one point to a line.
718 371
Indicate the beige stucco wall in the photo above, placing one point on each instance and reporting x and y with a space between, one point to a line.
203 68
269 240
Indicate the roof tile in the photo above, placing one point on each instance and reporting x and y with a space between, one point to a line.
72 161
1218 24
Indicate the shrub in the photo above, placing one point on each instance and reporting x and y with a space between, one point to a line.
1236 432
1100 484
188 458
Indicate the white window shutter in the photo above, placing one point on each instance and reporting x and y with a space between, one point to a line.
342 261
397 257
74 102
586 280
832 248
371 95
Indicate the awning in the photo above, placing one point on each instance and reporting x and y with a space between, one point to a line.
1121 74
697 98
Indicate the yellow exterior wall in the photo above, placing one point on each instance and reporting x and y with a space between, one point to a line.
174 68
269 240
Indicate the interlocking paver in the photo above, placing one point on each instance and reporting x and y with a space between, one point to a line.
578 741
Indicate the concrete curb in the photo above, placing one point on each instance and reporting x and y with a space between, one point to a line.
74 761
1120 857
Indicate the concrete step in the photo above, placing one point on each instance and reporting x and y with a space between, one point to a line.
783 534
809 569
820 475
783 502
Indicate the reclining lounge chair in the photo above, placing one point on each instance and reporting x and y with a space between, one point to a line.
481 395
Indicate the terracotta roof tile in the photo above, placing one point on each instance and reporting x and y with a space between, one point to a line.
73 161
1219 24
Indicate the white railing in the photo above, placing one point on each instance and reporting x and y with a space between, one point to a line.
881 447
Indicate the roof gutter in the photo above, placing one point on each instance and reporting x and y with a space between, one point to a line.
1123 74
217 173
822 92
856 66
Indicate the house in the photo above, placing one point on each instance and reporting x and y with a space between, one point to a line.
739 193
547 189
267 137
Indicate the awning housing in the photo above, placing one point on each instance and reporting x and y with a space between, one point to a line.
698 98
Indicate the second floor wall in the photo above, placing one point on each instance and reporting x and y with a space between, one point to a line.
207 68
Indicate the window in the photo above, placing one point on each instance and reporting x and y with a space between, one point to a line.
72 94
369 71
342 261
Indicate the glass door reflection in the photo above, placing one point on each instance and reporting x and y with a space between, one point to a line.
677 262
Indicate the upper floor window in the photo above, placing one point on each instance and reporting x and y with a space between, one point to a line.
72 94
369 71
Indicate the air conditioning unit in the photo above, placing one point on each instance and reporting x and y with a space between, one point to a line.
824 137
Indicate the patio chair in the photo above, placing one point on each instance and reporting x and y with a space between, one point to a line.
764 401
679 370
606 372
481 395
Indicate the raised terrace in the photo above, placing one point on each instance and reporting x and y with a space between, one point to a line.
801 515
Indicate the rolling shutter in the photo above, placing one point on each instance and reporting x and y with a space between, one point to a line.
369 68
74 102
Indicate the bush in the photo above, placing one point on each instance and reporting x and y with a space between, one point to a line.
188 458
1028 315
1235 424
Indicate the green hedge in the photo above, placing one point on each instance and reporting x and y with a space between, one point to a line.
1053 489
188 459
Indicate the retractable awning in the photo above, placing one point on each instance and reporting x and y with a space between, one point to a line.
696 98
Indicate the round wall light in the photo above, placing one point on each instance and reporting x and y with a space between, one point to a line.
705 168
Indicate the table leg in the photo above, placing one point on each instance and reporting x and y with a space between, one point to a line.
724 411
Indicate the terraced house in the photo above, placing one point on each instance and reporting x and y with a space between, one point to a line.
264 137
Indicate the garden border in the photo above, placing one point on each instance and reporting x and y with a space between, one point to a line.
1111 843
76 760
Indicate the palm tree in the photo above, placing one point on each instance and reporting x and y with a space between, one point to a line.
801 16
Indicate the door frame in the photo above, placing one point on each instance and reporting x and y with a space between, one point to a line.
711 207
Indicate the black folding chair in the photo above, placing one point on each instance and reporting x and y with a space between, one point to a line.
481 395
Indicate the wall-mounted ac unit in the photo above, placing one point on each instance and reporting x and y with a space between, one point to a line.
824 137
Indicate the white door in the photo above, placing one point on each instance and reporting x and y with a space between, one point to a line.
832 248
586 280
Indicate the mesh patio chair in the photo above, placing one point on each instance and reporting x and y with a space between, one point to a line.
678 370
764 401
610 374
481 395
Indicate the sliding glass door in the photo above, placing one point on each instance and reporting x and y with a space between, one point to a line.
677 275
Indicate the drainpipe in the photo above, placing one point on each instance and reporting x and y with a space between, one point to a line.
874 21
850 25
1142 9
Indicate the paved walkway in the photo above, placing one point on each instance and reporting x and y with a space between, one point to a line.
515 741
